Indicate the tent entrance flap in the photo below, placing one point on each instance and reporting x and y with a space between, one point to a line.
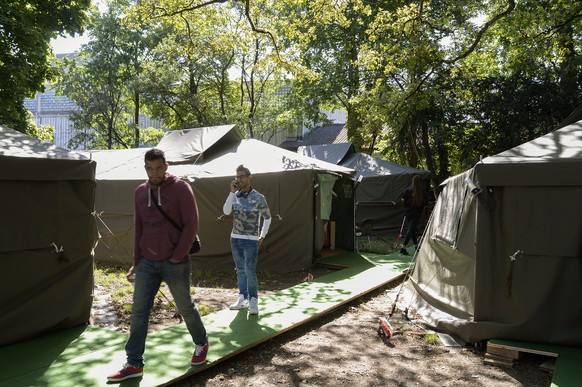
325 183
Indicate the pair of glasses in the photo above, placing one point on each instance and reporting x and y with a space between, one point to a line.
241 176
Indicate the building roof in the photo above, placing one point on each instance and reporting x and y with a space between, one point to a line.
326 134
49 102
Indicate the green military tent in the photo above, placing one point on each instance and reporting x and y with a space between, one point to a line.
502 253
380 188
305 196
47 238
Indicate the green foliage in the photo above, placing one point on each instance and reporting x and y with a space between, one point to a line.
113 277
104 82
151 136
429 84
43 133
198 77
204 309
411 75
432 339
25 55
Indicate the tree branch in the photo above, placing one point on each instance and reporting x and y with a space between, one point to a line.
481 32
556 28
188 9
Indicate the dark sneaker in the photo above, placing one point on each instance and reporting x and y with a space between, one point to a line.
126 372
403 251
199 355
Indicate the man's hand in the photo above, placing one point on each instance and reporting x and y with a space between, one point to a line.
233 186
172 260
261 239
131 274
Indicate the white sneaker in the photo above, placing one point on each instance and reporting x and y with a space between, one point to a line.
254 306
241 303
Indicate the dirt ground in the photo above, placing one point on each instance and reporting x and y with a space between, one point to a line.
342 348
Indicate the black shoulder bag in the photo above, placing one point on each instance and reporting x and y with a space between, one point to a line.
195 245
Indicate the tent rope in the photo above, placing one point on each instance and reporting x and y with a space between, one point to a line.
98 216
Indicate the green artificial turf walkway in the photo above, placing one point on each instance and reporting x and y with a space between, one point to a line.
84 356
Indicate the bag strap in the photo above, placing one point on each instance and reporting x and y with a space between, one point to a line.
164 213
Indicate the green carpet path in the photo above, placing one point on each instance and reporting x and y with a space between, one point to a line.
84 356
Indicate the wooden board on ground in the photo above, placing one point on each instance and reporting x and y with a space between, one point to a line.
514 351
500 361
503 351
567 359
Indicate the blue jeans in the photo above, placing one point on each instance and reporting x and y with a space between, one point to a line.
244 253
148 278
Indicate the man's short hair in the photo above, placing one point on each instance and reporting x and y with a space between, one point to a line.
155 154
242 168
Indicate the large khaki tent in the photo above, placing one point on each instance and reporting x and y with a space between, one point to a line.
119 172
382 184
305 195
502 254
48 233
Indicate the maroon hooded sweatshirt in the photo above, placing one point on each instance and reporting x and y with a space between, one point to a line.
156 239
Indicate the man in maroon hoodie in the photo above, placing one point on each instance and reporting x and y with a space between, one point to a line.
161 253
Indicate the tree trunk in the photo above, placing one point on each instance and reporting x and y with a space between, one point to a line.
136 102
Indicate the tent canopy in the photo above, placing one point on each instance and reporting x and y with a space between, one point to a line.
48 233
506 262
332 153
188 146
261 157
553 159
15 147
180 147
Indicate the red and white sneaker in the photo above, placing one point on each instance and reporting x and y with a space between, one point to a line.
199 355
126 372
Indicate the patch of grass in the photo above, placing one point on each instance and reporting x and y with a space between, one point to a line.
383 245
113 279
121 292
108 275
432 339
204 309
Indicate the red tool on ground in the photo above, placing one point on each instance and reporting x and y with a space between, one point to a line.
384 328
399 237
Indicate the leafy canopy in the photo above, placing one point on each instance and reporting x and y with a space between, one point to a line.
26 29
